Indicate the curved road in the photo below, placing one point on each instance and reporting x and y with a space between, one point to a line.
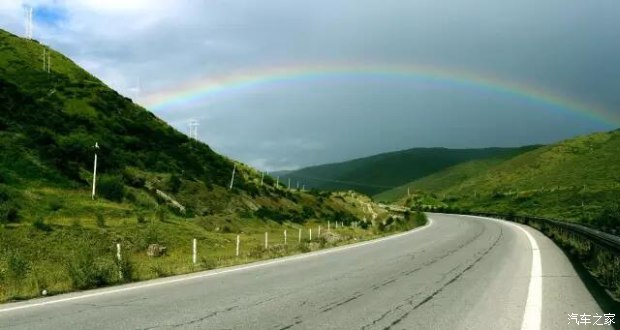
457 272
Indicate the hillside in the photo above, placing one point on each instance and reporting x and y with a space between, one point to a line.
448 177
376 174
154 186
577 179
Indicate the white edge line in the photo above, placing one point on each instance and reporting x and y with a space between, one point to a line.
209 273
533 305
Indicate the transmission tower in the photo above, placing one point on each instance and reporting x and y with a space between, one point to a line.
29 22
193 129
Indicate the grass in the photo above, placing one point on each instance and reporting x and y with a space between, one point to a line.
54 236
575 180
82 255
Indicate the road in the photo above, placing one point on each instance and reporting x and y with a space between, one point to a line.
457 272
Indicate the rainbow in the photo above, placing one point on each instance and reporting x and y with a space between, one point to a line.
189 93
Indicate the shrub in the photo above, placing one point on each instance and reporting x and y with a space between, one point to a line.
17 266
174 184
56 204
208 263
100 220
124 267
40 224
141 219
161 214
9 213
609 216
111 187
86 272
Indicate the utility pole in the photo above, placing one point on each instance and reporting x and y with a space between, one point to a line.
232 179
44 60
49 62
297 185
262 177
95 171
277 182
289 183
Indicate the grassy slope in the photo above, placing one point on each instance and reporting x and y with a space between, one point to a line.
54 237
375 174
552 181
449 176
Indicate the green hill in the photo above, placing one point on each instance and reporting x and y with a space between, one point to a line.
441 180
376 174
155 186
577 179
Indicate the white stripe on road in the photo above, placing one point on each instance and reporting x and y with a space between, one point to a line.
182 278
533 305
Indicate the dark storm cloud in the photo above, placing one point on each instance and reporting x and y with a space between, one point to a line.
568 47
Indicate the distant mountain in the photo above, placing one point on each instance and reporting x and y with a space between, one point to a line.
375 174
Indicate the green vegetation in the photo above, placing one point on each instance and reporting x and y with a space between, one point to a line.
155 186
376 174
574 180
441 180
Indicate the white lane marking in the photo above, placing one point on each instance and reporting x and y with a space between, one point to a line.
533 305
182 278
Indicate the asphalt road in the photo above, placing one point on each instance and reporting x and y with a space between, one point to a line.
456 273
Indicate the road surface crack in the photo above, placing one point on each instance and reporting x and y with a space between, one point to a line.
197 320
436 292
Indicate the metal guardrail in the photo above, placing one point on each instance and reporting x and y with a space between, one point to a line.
609 241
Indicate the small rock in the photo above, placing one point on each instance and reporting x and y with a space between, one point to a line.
155 250
44 292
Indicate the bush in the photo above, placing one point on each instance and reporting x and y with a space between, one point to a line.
125 267
100 220
56 204
17 266
86 272
174 184
9 213
141 219
40 224
111 187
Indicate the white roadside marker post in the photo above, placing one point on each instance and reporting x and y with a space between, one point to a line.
284 236
194 251
319 232
266 240
237 249
310 233
299 236
118 257
328 229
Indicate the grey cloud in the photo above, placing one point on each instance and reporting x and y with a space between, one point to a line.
568 47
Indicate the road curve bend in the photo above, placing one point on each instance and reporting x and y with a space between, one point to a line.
458 272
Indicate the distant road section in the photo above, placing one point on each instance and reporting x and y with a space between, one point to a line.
456 273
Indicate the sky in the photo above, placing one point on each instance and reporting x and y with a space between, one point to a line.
146 50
